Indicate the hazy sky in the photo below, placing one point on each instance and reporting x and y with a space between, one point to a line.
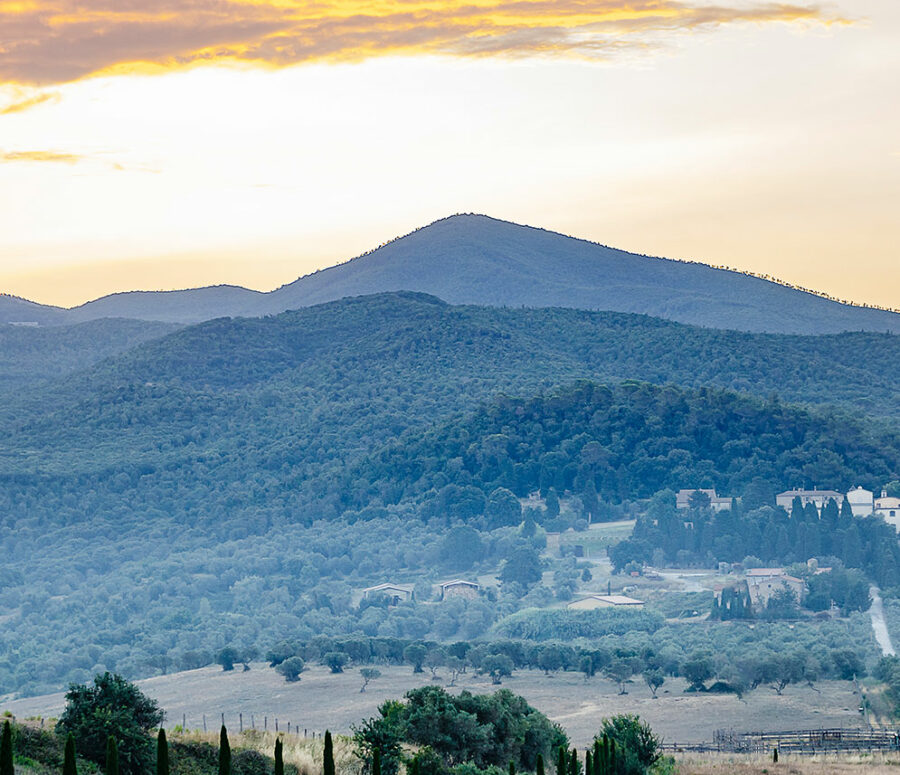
172 143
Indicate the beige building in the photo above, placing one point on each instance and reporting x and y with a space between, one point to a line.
888 509
716 503
861 501
764 583
817 497
594 602
395 593
459 588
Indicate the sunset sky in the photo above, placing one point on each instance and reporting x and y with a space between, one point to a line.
172 143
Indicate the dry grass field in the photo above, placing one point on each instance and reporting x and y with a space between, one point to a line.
712 764
323 701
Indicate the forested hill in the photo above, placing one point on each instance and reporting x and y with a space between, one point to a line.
30 354
259 418
627 441
474 259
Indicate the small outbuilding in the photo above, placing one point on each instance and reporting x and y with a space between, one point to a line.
395 593
594 602
459 588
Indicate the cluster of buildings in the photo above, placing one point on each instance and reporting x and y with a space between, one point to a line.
401 593
862 502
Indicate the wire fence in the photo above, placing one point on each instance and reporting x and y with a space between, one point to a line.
809 742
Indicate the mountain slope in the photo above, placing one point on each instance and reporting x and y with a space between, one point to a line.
474 259
187 306
17 310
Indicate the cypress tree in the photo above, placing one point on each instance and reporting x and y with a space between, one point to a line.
775 756
588 764
561 761
279 757
328 759
224 753
612 757
598 763
539 765
162 753
573 762
112 756
6 750
69 767
414 767
376 762
512 768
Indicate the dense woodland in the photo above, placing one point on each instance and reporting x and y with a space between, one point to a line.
235 483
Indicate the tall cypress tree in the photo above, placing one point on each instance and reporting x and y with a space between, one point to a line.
224 753
512 768
6 751
376 762
597 760
328 758
588 764
561 761
112 756
69 767
539 765
279 757
162 753
573 762
612 757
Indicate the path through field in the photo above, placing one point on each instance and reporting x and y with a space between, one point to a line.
876 611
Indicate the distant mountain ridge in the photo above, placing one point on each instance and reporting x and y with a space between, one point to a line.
475 259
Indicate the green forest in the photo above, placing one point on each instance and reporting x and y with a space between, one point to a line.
236 483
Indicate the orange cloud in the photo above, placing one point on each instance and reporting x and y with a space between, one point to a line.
54 41
45 156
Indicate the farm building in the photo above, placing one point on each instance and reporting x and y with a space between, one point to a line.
396 593
764 583
459 588
716 503
594 602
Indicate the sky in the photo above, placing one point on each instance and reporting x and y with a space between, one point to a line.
157 144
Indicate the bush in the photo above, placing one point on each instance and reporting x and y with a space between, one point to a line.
112 706
638 748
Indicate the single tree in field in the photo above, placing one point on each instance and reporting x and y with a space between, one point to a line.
224 753
654 678
697 670
291 669
69 766
6 750
368 674
415 653
227 657
619 671
497 666
162 753
335 661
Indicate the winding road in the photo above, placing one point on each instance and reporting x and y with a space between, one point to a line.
876 611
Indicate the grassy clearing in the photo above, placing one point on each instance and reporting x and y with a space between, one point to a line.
598 536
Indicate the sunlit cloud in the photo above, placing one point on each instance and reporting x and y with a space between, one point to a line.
55 157
21 100
55 41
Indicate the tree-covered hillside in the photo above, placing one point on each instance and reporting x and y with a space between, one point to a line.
32 354
236 481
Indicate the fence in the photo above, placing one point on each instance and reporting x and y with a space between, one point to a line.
804 742
241 722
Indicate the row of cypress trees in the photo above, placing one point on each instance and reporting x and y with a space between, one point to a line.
600 761
162 754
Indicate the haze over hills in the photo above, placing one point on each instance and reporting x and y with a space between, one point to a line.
474 259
